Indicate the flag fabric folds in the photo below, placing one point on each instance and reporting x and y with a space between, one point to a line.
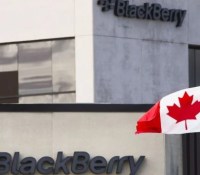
177 113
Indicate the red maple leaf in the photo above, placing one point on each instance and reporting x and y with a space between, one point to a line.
186 111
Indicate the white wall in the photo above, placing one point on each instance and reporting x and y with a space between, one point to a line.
35 19
99 134
84 51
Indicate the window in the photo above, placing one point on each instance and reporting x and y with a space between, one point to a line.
38 72
9 87
194 66
191 142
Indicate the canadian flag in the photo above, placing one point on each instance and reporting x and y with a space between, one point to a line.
176 113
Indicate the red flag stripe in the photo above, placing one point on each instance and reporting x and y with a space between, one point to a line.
150 122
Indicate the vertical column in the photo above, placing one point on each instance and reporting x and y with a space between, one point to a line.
84 51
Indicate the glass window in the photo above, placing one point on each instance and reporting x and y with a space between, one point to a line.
45 71
194 67
9 87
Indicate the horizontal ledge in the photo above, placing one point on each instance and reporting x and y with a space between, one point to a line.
74 107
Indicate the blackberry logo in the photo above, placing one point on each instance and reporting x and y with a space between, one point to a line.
106 4
147 11
80 162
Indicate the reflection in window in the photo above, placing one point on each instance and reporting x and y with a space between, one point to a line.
45 71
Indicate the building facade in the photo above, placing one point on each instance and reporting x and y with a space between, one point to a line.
71 51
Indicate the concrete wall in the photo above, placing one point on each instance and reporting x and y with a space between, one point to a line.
139 61
194 22
44 134
138 71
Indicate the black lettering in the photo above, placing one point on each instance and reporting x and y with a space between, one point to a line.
112 162
132 11
43 165
172 15
28 166
126 9
61 164
135 166
176 15
181 16
156 11
121 164
98 165
5 160
80 162
140 12
105 5
165 15
15 162
120 8
149 11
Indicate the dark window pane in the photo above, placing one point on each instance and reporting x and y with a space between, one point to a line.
9 87
192 67
197 67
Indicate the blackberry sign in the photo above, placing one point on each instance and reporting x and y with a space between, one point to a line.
80 164
147 11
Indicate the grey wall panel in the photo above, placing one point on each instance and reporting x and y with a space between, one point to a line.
35 68
173 152
118 68
8 57
165 69
64 98
36 99
135 71
63 59
194 22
